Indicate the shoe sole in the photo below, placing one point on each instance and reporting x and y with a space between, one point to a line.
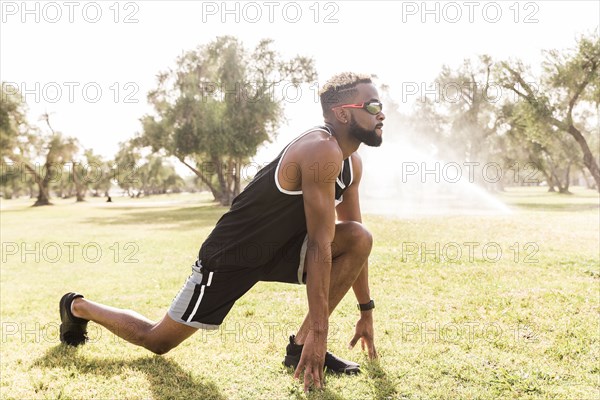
292 362
72 333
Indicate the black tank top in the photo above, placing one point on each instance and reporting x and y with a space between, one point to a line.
264 218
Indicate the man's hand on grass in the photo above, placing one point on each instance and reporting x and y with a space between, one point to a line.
365 332
312 360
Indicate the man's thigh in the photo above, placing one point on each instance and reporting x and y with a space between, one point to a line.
207 296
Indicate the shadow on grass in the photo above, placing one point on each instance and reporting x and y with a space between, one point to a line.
316 394
383 386
313 394
556 207
187 216
167 379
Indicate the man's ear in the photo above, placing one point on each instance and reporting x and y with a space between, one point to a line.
341 114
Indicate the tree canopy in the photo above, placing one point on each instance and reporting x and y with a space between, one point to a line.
569 87
218 106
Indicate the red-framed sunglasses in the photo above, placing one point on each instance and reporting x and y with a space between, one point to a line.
372 107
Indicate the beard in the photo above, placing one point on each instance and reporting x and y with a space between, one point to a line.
368 137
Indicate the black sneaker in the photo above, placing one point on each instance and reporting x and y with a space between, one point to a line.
73 330
333 363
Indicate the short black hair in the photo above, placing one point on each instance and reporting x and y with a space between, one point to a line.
340 89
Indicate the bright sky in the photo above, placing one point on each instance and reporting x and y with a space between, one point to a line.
90 64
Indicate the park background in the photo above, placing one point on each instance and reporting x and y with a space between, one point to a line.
482 199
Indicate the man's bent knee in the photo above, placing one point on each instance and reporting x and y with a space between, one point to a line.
362 237
160 348
166 335
352 236
159 345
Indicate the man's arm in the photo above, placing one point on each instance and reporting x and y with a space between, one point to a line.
349 210
319 166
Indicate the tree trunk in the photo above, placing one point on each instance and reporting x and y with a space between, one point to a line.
217 193
550 181
588 158
564 190
557 181
589 185
548 176
238 173
567 179
43 199
554 173
224 178
79 190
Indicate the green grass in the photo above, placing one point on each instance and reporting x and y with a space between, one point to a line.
448 325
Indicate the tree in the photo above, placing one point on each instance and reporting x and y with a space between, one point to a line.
30 151
469 101
84 172
97 173
461 122
534 146
144 175
126 164
218 105
12 128
157 177
569 85
55 151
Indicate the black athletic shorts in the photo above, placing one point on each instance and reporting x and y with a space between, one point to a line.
207 295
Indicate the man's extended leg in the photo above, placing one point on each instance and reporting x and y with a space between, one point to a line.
158 337
351 247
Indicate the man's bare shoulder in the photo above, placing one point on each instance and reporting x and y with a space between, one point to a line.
315 144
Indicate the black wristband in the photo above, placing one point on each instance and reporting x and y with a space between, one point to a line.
368 306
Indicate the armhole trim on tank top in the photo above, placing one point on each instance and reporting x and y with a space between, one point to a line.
351 171
339 181
282 190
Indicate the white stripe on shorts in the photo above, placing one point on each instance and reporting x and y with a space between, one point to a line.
197 304
302 258
182 300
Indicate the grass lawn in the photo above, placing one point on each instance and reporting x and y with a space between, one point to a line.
468 307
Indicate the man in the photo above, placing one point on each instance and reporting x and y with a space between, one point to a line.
282 227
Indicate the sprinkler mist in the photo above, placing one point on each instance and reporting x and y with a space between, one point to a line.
400 180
